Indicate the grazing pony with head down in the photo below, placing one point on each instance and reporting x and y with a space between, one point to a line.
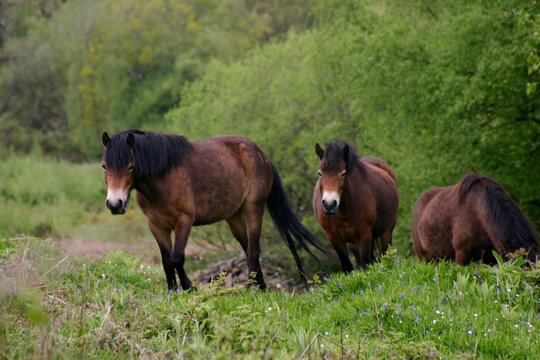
181 184
467 221
356 202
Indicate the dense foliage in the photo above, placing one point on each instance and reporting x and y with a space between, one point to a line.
70 69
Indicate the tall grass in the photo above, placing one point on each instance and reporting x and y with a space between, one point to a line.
118 308
46 197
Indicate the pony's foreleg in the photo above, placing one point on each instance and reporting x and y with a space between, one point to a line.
181 231
365 249
163 239
340 247
384 241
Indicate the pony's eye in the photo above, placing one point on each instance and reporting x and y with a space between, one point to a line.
130 168
319 173
104 166
343 173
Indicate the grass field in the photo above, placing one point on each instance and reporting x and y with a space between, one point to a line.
54 305
85 284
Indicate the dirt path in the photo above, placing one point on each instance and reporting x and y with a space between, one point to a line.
148 250
235 267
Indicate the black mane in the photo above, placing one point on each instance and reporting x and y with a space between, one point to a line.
333 154
153 156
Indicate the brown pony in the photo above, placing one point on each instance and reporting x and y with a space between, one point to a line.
467 221
181 184
356 202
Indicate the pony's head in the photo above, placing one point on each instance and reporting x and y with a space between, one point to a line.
336 160
118 164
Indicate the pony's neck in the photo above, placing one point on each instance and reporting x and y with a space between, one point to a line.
146 187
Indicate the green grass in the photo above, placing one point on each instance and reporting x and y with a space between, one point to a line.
45 197
53 306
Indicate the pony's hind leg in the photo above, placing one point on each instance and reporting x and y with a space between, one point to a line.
248 222
237 225
163 239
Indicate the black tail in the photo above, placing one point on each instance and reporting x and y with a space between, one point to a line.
514 228
288 225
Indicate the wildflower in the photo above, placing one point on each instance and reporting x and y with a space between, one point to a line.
415 287
432 353
325 278
379 288
471 331
340 285
401 296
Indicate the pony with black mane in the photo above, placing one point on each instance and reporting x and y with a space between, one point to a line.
467 221
356 202
181 184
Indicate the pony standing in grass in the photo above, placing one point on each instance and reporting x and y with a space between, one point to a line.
356 202
467 221
181 184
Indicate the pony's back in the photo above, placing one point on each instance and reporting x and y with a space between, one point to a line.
381 164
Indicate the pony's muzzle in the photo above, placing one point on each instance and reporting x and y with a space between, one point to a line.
329 206
116 207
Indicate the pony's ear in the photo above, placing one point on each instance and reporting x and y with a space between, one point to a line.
130 140
105 139
346 151
319 151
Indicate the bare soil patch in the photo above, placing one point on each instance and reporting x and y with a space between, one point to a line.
235 268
